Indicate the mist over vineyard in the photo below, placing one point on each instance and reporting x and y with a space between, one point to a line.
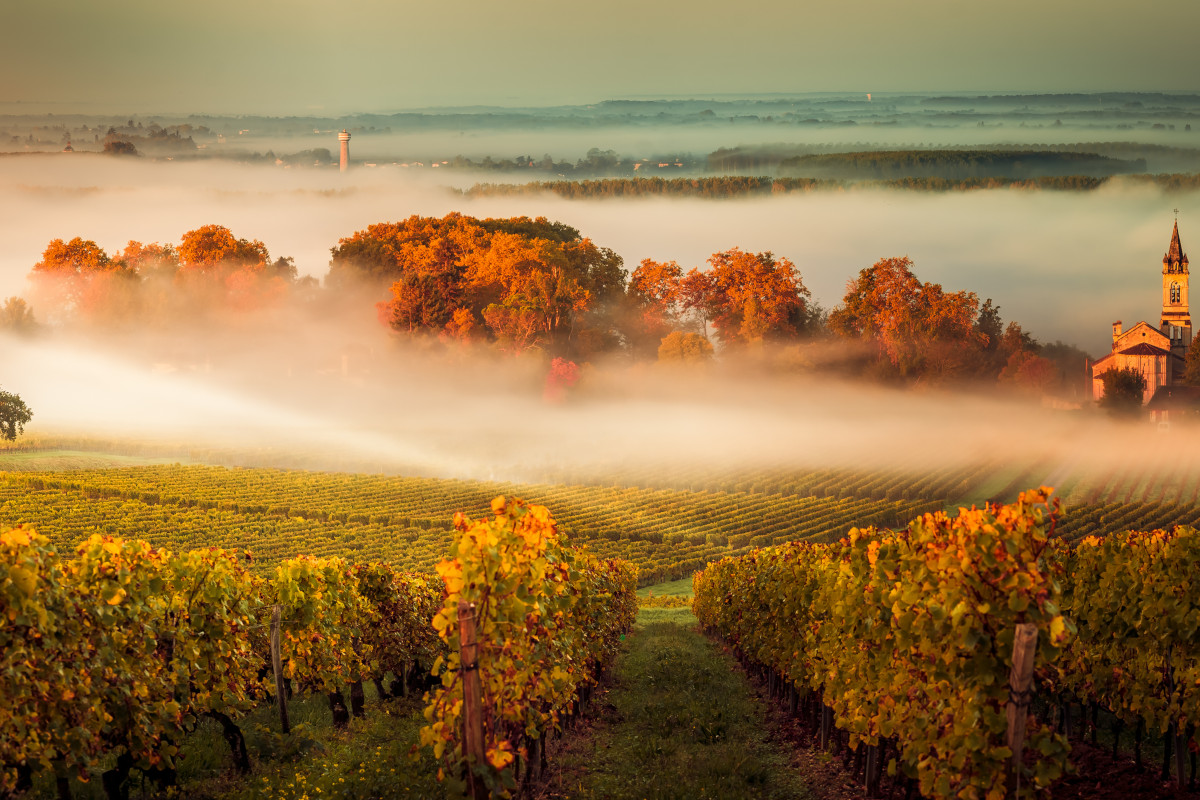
1062 263
718 426
1065 264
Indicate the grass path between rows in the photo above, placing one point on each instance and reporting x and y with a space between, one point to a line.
681 721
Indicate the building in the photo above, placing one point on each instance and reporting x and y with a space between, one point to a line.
1174 404
1158 353
344 139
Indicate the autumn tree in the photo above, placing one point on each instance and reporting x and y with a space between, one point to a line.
151 260
918 329
79 278
755 296
1029 372
695 296
680 347
525 282
386 251
214 246
228 273
76 257
654 300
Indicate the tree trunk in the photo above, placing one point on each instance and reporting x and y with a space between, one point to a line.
533 764
165 778
116 780
337 706
1165 773
24 778
62 781
236 741
1138 733
357 699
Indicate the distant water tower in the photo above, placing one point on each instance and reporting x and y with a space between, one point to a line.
344 138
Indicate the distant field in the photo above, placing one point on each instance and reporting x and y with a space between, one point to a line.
32 460
669 522
406 521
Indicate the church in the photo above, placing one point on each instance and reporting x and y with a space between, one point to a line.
1158 353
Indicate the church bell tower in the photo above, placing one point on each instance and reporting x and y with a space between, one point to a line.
1176 322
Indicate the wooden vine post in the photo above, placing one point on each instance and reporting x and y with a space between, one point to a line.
472 697
277 666
1020 678
1180 741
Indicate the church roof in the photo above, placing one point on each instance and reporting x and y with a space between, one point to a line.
1144 349
1175 255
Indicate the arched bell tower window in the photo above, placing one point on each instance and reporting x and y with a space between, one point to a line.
1174 292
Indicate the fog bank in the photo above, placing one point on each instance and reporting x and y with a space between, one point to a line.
1064 264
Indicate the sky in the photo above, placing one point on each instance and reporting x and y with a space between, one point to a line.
302 57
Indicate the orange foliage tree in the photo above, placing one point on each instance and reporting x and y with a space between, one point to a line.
655 296
210 270
211 246
79 278
919 329
523 282
755 297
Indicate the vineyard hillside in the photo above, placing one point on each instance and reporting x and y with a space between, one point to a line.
667 532
279 514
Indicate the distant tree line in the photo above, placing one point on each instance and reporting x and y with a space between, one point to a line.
956 164
767 158
733 186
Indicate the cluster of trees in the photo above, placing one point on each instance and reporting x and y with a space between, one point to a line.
78 281
918 331
524 284
747 297
530 283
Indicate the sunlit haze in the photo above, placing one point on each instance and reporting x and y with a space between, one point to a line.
306 57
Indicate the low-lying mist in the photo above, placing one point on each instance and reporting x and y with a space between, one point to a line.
1063 264
317 397
334 385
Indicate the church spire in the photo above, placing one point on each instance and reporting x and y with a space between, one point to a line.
1175 259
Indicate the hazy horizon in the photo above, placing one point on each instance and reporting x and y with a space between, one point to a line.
297 57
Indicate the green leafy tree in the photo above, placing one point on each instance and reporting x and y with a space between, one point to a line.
1123 392
14 415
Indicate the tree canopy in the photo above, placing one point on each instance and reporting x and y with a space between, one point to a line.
918 328
14 415
1124 390
17 317
526 283
523 282
210 270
